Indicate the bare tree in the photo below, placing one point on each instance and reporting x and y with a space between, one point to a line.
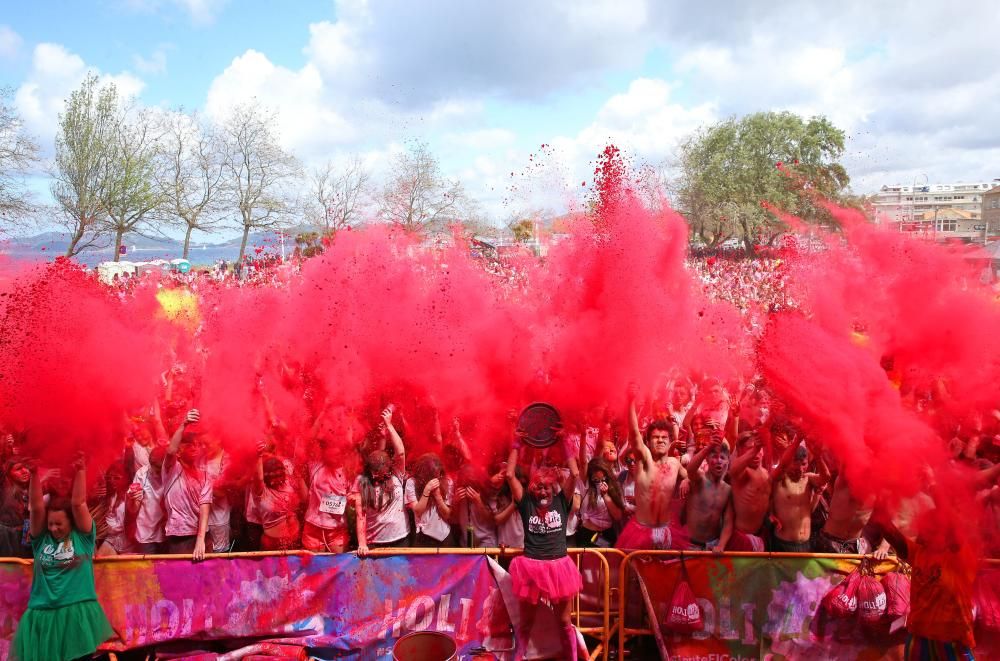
130 193
416 195
190 175
18 155
86 129
339 194
258 172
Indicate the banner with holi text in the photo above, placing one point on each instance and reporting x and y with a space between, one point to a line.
337 606
755 608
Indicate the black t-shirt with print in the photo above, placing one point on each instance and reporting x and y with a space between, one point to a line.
544 536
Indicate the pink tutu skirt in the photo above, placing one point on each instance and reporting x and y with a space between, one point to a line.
553 580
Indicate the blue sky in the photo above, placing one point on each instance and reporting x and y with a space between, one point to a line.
486 84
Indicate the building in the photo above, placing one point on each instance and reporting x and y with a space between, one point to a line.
990 214
945 211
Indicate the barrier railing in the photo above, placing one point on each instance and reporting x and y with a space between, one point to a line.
602 633
625 632
609 608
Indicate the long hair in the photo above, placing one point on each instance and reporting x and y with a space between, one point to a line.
373 497
614 488
428 467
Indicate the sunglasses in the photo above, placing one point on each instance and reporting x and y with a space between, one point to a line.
629 461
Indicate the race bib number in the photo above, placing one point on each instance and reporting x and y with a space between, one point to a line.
331 503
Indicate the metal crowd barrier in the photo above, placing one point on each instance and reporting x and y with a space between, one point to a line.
611 601
625 632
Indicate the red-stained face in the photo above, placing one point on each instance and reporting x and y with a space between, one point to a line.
542 490
659 442
115 479
718 463
19 474
609 453
59 525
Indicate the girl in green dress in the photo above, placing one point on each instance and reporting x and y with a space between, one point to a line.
64 620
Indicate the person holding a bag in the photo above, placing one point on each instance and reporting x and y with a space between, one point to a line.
545 572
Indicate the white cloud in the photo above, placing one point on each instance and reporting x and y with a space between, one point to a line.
307 123
414 54
155 64
10 43
55 72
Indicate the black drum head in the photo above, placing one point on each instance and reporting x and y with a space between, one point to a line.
539 425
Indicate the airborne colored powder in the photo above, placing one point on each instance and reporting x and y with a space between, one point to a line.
379 319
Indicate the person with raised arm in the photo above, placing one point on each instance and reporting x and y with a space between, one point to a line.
64 620
709 508
144 504
545 570
655 482
844 527
751 484
793 498
279 495
379 495
187 492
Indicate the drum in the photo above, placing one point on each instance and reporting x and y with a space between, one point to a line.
539 425
425 646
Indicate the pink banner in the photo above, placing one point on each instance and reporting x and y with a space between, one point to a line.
340 606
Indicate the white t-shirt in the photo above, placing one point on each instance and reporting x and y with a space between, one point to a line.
184 493
149 518
252 510
328 490
511 532
390 524
216 467
430 522
484 530
595 515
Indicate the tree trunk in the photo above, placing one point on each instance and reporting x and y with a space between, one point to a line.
747 239
118 244
77 235
187 241
243 245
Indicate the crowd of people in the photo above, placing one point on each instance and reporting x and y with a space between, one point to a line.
693 465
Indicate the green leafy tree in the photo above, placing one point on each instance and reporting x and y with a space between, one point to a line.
131 191
83 148
730 170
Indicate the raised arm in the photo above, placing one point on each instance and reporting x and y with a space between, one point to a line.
693 474
786 459
463 447
36 503
192 418
821 477
397 442
82 520
741 462
516 490
569 484
158 427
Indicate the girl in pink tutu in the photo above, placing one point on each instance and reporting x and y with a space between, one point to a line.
545 573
